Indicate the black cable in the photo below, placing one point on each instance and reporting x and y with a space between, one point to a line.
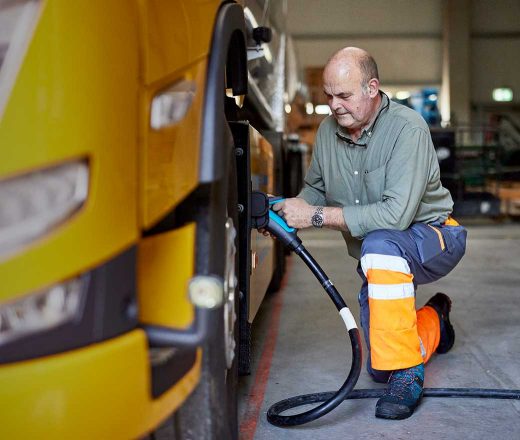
375 393
333 399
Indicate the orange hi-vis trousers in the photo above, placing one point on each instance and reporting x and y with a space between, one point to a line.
392 264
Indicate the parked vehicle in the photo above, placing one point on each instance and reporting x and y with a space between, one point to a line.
126 259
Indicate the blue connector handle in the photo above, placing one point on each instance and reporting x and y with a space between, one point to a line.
276 199
273 216
281 230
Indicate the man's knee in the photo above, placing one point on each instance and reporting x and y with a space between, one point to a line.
381 241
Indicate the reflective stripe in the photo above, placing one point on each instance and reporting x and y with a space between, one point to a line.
380 276
423 350
391 291
429 330
441 239
385 262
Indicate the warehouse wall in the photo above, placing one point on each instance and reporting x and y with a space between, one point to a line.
409 31
495 48
406 38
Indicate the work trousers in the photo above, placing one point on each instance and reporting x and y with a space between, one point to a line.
392 264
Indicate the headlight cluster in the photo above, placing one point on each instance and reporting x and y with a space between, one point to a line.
171 105
34 203
17 21
42 310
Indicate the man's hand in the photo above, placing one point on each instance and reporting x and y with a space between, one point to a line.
296 212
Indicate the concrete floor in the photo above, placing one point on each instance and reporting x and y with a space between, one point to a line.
300 347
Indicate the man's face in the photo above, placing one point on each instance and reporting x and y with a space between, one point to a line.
349 102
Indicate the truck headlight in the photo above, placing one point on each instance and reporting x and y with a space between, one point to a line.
42 310
18 19
31 204
171 105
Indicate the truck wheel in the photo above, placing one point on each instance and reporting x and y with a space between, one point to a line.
211 411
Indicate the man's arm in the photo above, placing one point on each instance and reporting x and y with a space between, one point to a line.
405 182
298 214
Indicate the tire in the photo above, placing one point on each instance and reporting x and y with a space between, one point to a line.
210 413
244 354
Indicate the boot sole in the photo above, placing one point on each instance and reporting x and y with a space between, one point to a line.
394 411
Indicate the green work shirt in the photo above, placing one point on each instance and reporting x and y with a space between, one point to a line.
389 180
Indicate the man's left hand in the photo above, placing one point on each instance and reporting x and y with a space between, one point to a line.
296 212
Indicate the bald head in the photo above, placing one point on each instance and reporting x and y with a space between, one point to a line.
351 84
348 59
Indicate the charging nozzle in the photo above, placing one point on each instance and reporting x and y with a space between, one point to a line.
282 231
263 217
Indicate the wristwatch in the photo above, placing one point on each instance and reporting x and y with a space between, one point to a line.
317 218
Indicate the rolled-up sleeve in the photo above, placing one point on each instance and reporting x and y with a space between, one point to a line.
405 182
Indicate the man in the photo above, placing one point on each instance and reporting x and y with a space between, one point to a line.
374 176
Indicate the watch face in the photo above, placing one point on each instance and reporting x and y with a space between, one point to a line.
317 221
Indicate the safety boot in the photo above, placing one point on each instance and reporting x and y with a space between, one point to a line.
441 303
402 395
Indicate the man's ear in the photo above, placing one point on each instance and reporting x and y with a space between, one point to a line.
373 87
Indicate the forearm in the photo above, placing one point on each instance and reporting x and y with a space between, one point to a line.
298 214
333 219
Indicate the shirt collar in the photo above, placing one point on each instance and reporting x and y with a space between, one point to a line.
369 128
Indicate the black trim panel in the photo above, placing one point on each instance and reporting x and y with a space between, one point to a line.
240 132
109 310
168 373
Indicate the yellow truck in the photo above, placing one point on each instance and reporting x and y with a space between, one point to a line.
129 274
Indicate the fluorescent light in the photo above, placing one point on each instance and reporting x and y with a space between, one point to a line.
322 109
402 94
309 108
503 94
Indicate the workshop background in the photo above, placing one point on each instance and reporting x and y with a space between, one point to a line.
140 297
457 63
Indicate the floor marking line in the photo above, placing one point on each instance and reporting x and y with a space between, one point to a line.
257 392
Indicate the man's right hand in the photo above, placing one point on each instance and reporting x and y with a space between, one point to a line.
296 212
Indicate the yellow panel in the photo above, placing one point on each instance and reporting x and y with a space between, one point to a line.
262 166
165 264
76 96
262 162
98 392
263 252
176 34
171 155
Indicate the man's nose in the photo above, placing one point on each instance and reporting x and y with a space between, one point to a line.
334 103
